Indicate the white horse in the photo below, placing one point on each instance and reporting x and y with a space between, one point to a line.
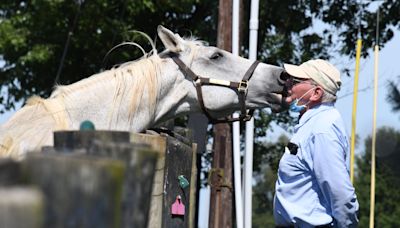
140 94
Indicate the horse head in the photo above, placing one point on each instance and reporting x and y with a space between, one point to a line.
218 82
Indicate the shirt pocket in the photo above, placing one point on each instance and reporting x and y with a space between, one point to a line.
291 165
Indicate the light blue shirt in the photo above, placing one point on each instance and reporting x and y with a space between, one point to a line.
314 185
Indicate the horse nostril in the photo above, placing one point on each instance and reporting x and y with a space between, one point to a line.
283 79
284 76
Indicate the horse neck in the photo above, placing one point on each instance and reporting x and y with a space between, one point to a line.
120 99
176 95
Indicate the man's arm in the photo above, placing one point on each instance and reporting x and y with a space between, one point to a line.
333 179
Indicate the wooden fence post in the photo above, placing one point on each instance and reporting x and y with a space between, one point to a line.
10 172
176 159
21 207
139 159
79 191
156 143
221 205
104 181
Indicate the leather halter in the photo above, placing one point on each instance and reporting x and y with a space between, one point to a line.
240 87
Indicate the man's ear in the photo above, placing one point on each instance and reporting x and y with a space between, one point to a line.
317 94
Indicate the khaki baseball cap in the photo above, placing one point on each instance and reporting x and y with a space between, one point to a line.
322 72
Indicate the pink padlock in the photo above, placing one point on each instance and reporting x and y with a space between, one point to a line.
178 208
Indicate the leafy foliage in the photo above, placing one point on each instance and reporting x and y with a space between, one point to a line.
387 178
263 191
34 34
394 95
269 153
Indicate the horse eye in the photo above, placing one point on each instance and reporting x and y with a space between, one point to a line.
216 55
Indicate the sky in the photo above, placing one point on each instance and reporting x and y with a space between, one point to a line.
388 69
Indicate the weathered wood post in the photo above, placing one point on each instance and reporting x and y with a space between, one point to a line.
158 144
21 207
69 141
139 159
198 123
79 191
176 161
10 173
87 180
221 204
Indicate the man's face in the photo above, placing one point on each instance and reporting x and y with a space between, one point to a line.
297 88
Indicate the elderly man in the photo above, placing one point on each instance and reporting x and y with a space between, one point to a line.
313 187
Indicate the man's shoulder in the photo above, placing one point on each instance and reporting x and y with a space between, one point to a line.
330 114
327 121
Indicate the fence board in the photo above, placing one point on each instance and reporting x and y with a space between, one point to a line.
157 143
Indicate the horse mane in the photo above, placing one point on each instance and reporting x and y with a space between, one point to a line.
139 74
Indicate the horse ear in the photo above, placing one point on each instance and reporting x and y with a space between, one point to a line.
171 41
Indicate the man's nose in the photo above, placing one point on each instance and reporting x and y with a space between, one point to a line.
289 99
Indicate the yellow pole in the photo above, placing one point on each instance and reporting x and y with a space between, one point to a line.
372 198
354 113
373 146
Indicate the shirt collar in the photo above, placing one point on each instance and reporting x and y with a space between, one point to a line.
312 112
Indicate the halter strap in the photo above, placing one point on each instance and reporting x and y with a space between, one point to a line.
241 87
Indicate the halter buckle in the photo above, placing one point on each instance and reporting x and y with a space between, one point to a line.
198 81
242 88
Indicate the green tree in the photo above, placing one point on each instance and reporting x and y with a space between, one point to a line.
387 209
34 34
394 95
265 175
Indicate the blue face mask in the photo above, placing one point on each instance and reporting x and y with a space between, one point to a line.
295 107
